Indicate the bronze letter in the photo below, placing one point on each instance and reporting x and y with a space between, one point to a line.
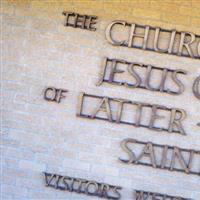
124 146
154 116
198 49
109 33
177 81
116 192
140 195
103 71
104 106
114 70
103 191
176 120
80 104
87 191
148 151
119 110
53 96
48 181
139 113
177 153
133 34
91 22
185 44
134 74
171 43
163 80
60 95
80 21
68 14
148 76
196 87
164 157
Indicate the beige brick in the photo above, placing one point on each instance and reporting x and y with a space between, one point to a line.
30 165
176 19
38 135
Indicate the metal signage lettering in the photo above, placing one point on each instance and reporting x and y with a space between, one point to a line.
135 113
80 21
188 43
196 87
111 69
101 110
84 186
161 156
54 94
144 195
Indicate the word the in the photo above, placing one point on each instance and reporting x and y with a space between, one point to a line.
80 21
113 68
144 195
54 94
161 156
129 112
196 87
78 185
149 38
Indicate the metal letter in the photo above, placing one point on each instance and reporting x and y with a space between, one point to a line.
177 153
133 34
115 191
53 96
109 33
148 151
185 44
154 116
60 95
87 191
124 146
198 49
103 71
120 108
80 104
164 157
176 120
171 43
104 106
148 76
135 75
91 23
113 71
68 14
177 81
163 80
196 87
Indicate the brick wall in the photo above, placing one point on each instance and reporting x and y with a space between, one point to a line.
39 51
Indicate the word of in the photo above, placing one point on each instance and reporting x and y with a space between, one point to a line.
111 69
144 195
78 185
161 156
130 112
149 38
80 21
196 87
54 94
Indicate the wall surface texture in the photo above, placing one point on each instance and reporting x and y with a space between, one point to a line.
41 136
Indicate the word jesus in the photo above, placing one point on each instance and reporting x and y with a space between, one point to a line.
130 74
